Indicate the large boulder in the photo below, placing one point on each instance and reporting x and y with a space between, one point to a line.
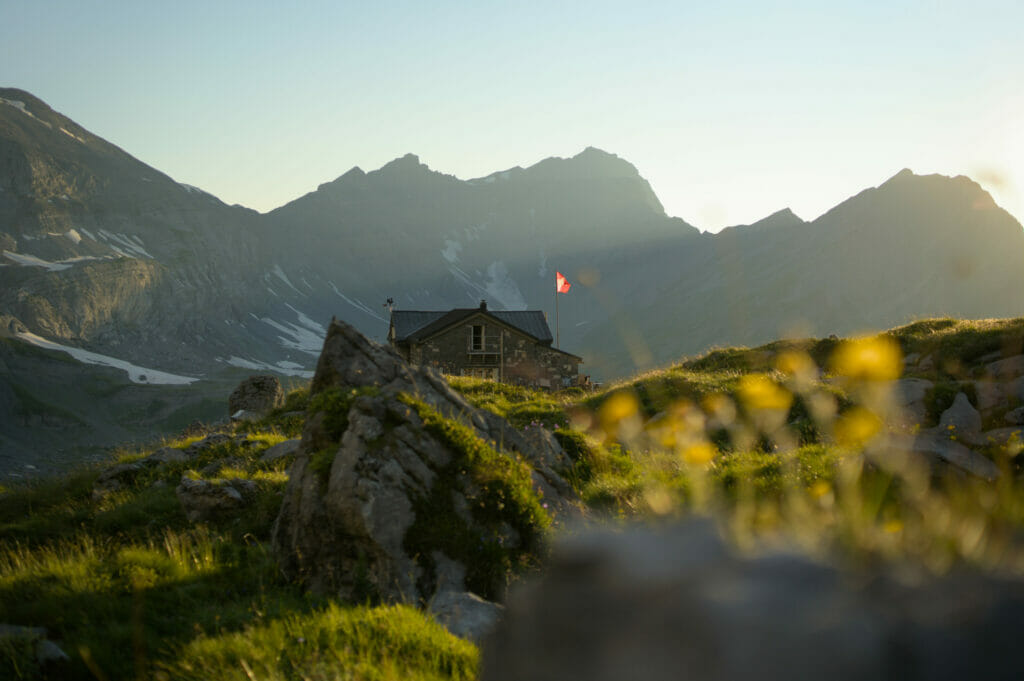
256 395
677 603
909 394
397 478
961 419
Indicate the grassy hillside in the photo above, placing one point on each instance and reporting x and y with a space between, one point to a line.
131 589
778 443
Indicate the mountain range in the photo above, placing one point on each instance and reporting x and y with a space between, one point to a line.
153 284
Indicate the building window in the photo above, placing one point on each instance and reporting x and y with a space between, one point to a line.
477 341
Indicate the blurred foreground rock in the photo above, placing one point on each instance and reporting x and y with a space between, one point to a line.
676 603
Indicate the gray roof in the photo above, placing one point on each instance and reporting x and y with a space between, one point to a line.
530 322
408 322
415 325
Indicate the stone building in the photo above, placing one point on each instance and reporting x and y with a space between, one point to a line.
512 347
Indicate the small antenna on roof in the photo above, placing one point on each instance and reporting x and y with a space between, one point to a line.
389 305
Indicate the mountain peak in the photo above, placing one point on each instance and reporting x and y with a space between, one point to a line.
591 162
904 174
780 217
407 162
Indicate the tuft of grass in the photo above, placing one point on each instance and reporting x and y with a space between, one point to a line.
520 405
385 642
333 404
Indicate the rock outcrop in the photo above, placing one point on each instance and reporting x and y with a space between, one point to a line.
402 490
677 603
256 395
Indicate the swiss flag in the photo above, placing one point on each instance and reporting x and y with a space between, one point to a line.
562 284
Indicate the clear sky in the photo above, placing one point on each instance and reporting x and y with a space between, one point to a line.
732 110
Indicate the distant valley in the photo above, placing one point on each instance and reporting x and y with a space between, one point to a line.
163 283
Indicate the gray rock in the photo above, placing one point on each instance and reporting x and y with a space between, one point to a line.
465 614
46 651
116 477
961 419
205 500
671 603
1015 388
281 450
167 455
1007 369
451 574
385 465
212 440
256 394
991 395
549 453
909 394
1015 416
214 468
939 450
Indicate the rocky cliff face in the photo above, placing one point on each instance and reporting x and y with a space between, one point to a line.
103 251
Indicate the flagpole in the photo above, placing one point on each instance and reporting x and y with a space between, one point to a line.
557 344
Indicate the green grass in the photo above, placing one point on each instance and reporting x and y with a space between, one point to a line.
520 405
131 589
290 417
385 642
958 346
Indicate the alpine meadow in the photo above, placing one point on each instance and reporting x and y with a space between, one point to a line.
490 410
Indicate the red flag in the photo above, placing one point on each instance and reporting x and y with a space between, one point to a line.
562 284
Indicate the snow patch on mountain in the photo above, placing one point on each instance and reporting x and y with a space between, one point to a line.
33 261
72 135
307 322
279 273
500 286
291 370
358 304
284 368
451 250
297 337
135 373
129 247
20 106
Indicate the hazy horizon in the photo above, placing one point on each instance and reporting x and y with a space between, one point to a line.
730 112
